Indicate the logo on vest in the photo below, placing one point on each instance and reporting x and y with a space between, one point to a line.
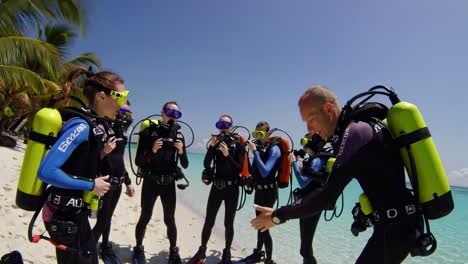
69 140
98 131
78 203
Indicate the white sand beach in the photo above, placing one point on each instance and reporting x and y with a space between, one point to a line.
13 230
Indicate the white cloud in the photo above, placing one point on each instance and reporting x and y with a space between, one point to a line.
199 146
459 177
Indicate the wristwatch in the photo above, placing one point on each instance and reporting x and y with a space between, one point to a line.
275 219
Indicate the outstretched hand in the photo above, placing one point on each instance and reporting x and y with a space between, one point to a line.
263 221
130 190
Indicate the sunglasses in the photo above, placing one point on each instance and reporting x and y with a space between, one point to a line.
172 113
259 134
221 124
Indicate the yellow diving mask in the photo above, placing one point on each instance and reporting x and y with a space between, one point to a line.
259 134
120 96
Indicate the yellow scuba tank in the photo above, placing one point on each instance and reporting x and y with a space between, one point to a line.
139 159
418 151
47 123
145 125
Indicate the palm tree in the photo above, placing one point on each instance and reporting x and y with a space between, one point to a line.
32 69
62 36
20 15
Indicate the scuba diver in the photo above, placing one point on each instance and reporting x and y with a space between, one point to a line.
264 170
114 166
366 151
72 165
227 153
309 179
161 147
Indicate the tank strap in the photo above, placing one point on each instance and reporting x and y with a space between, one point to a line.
413 137
38 137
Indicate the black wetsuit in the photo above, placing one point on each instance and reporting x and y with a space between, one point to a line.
266 192
70 167
365 152
114 166
307 225
307 229
225 188
161 179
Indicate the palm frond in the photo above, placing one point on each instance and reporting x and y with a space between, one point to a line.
51 87
25 14
60 36
21 100
30 53
13 78
84 59
73 12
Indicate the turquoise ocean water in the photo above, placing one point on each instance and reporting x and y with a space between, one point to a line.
333 242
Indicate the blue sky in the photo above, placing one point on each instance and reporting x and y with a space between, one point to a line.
253 59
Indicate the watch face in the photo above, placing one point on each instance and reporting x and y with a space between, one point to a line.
276 220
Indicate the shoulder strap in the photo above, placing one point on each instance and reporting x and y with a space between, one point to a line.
70 112
368 112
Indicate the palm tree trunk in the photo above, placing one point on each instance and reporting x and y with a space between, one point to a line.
20 125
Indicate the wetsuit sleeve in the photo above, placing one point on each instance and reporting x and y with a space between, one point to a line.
273 155
210 154
127 179
302 180
75 133
238 159
355 137
183 158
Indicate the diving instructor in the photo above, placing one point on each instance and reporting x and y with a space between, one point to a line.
363 152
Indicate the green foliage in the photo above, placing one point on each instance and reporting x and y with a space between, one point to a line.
32 70
8 112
